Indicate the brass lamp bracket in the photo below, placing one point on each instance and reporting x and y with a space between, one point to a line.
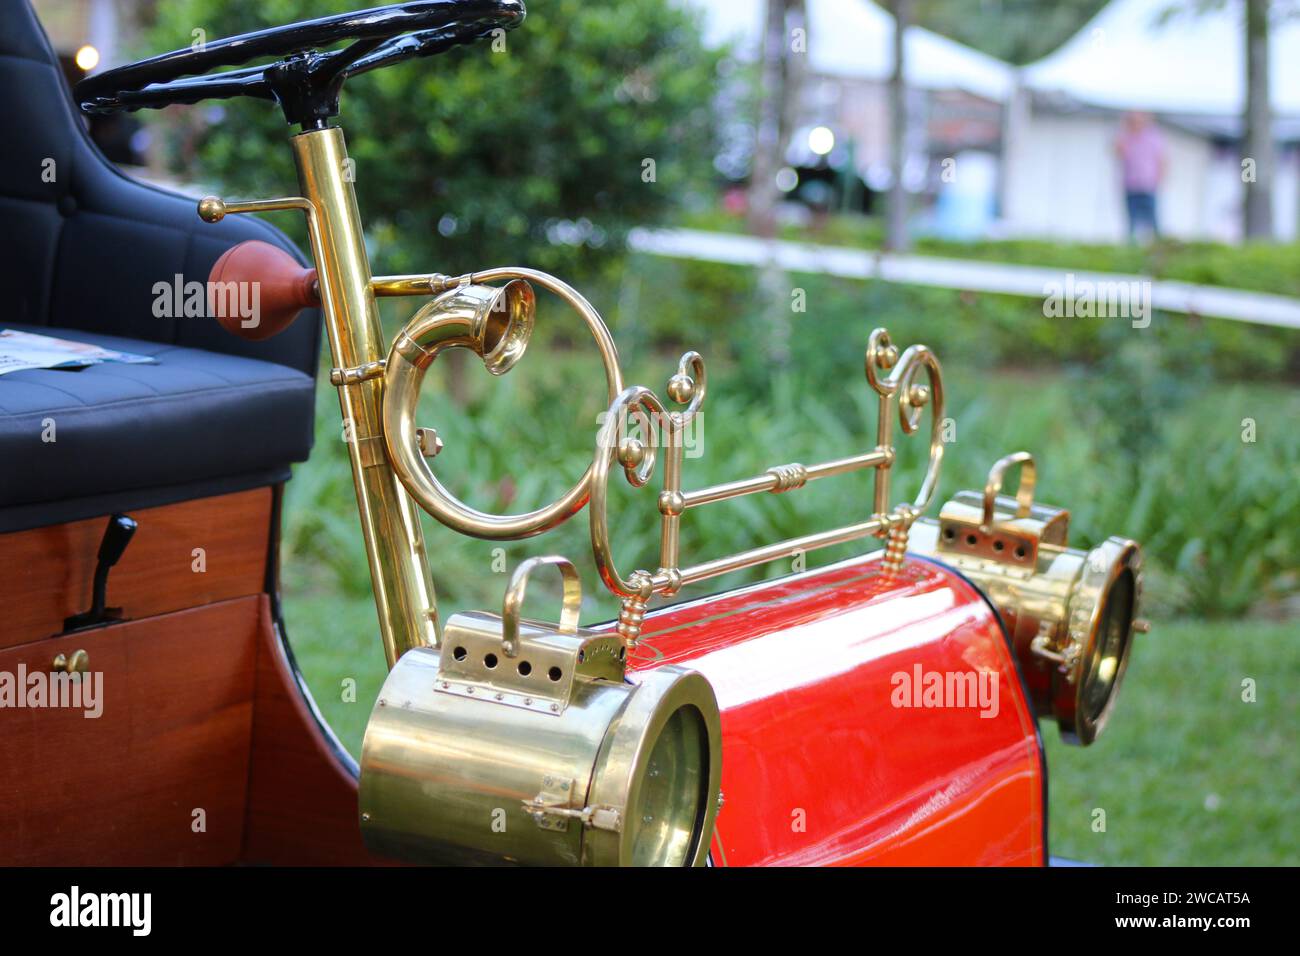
997 528
553 809
1065 657
520 663
357 373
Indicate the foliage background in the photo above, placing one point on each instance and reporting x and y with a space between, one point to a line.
475 158
1018 31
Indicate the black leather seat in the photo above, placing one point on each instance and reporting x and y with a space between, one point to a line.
81 250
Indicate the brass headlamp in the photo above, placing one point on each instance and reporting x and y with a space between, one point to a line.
521 742
1071 614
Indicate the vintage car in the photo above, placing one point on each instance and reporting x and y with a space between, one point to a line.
880 710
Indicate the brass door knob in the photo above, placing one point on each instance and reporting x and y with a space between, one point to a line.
78 662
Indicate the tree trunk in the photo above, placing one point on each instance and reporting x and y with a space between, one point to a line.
1258 143
896 237
767 142
793 68
783 53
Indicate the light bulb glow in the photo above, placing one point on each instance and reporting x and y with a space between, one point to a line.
821 140
87 58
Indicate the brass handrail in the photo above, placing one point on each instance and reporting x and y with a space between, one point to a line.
899 393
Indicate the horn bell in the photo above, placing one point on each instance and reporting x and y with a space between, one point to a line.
495 323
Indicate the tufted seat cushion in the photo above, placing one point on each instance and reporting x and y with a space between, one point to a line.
81 251
195 416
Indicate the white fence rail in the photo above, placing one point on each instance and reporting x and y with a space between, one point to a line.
1236 304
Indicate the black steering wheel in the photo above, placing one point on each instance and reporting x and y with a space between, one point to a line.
305 82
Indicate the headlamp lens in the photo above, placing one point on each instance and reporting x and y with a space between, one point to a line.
1114 631
668 817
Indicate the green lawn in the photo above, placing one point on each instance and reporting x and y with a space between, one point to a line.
1187 773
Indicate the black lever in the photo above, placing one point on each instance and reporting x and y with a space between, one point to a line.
116 537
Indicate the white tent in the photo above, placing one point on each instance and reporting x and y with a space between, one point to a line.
1132 55
1174 59
854 38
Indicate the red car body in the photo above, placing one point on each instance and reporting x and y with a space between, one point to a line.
827 759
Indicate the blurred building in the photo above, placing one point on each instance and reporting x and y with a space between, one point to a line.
990 148
1185 65
1040 140
955 93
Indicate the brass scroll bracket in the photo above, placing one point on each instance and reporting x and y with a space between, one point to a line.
894 378
638 430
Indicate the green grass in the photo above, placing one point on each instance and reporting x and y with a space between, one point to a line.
1187 773
335 640
1270 267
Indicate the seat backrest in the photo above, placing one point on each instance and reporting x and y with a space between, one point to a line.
82 246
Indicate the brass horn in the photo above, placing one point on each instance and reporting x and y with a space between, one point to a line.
581 763
495 323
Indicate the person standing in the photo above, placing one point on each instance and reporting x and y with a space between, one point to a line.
1141 150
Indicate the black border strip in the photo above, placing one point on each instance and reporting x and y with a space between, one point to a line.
271 586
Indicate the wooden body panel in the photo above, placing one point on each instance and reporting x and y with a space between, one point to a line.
820 766
202 708
46 573
122 789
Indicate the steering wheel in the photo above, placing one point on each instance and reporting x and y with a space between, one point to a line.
305 82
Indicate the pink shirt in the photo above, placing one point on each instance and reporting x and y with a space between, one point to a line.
1142 154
